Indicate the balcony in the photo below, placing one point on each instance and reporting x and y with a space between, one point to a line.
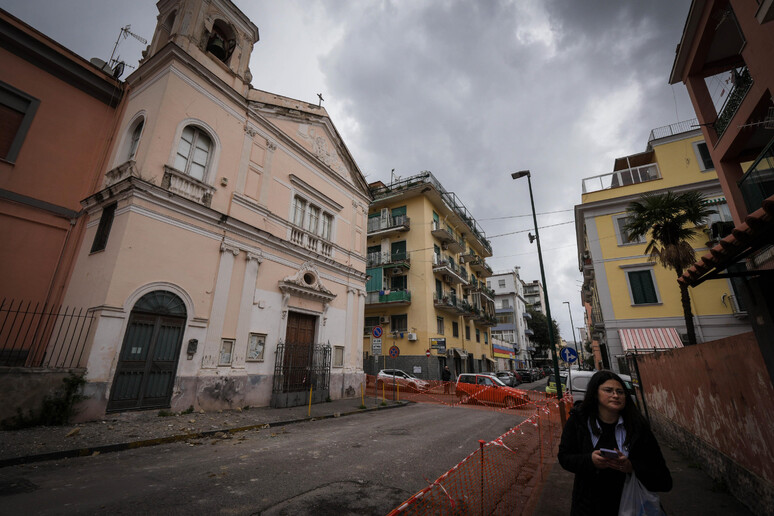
480 292
758 182
481 267
186 186
395 297
527 316
742 81
310 241
450 270
448 241
448 303
619 178
450 200
467 257
398 259
382 226
529 332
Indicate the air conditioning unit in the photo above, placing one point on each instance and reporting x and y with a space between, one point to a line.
384 319
412 336
396 271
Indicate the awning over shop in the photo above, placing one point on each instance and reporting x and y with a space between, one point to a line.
459 352
648 339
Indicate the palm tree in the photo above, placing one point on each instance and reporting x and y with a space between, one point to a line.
671 220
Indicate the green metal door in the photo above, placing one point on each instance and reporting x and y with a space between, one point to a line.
147 364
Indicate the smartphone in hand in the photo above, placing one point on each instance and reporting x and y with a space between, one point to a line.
608 453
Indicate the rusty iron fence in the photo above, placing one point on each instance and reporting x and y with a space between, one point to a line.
42 335
301 371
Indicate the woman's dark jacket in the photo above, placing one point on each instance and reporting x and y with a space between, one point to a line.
575 455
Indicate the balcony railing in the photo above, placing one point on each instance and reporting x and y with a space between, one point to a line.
395 297
742 83
619 178
673 129
449 199
447 238
442 264
400 258
310 241
481 267
758 182
390 223
448 302
186 186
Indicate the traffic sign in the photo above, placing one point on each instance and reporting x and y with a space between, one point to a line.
394 352
376 346
568 355
377 332
427 353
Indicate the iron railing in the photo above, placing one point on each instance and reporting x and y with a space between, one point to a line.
40 336
757 183
302 366
742 83
673 129
449 198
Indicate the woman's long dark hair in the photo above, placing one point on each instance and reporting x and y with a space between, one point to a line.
633 421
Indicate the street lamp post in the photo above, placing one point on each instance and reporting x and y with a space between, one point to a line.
575 342
558 379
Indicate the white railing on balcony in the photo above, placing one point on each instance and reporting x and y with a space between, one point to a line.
309 241
186 186
619 178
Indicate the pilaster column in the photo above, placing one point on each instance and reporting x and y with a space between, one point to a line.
228 253
246 308
266 181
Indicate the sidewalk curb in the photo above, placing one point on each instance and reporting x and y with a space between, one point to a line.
108 448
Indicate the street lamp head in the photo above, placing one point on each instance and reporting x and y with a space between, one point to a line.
520 173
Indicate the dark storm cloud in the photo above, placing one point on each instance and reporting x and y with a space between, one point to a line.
475 90
471 90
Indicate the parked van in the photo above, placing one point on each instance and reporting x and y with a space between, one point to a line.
579 380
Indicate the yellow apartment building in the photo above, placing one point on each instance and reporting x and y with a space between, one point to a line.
635 304
426 298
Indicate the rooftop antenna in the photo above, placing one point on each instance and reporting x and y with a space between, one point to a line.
125 32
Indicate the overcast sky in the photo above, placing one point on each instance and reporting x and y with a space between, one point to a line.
469 90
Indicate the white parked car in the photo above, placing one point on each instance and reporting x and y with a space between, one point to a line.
406 381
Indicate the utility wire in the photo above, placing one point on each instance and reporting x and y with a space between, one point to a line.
527 215
525 230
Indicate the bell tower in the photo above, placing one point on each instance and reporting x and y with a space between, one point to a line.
215 32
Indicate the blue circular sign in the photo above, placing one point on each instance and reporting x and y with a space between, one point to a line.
568 355
394 352
377 332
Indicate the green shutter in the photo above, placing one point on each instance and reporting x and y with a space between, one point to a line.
643 290
397 212
398 250
375 283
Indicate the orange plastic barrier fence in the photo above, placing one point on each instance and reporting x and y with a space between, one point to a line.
379 390
503 476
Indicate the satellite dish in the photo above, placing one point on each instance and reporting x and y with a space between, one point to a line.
118 70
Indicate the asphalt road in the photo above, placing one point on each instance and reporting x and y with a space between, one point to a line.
361 464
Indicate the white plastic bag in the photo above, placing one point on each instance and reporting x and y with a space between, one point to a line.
638 501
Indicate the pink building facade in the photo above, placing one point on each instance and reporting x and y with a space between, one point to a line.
223 257
58 113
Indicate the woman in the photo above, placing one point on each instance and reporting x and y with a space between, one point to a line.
607 418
